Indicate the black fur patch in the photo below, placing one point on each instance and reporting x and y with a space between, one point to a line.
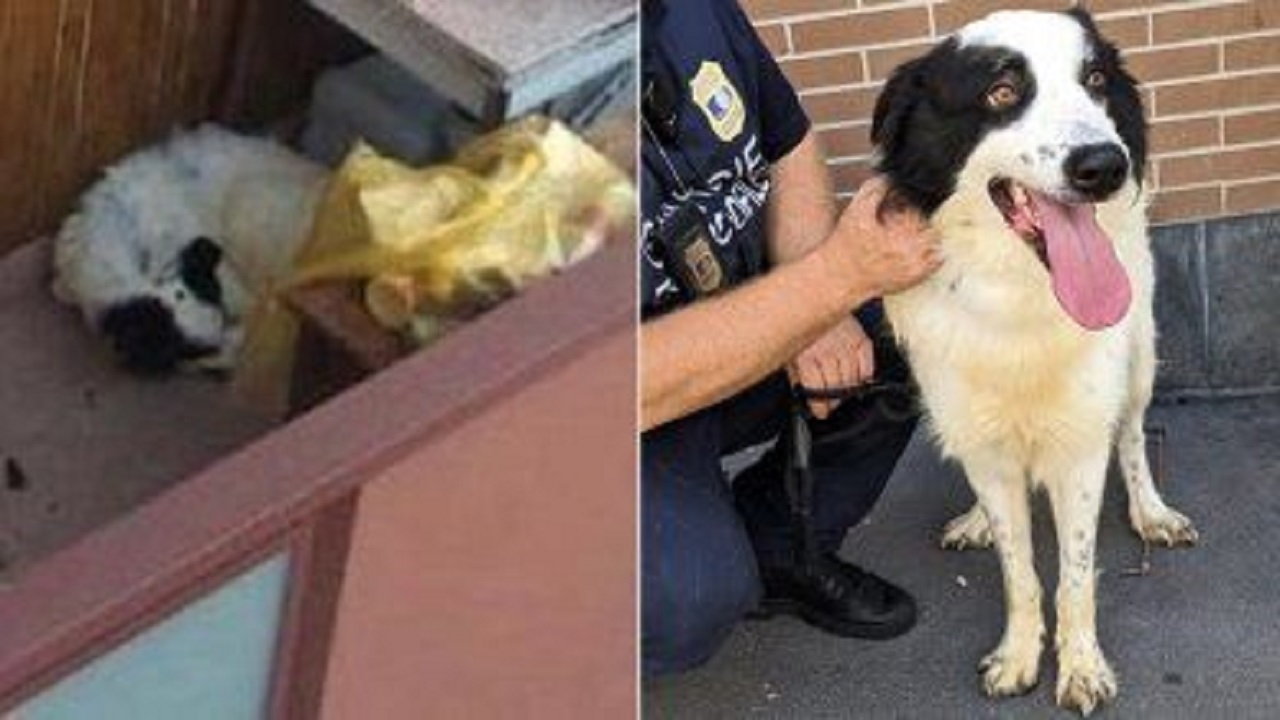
932 114
198 267
1123 102
147 339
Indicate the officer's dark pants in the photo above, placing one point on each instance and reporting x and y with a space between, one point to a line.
701 549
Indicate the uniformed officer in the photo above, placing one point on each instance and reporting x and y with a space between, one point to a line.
749 283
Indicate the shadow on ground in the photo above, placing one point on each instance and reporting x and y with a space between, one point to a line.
1198 637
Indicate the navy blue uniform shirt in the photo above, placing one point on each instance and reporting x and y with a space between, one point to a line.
736 116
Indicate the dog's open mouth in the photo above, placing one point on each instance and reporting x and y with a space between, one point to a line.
1019 210
1088 280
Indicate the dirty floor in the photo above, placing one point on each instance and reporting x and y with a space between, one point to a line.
80 442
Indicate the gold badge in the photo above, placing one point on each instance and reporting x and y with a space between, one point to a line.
719 100
703 266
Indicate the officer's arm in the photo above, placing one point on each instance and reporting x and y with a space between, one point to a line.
711 350
802 208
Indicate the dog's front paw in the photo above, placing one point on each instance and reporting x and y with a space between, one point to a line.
1162 525
970 530
1085 680
1011 669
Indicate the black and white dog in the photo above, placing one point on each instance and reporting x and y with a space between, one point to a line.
1023 138
165 254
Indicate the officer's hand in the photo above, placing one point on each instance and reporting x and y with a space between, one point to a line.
887 256
843 357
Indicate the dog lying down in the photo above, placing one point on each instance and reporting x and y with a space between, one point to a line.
164 255
1022 137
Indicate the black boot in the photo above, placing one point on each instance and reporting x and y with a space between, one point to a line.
838 597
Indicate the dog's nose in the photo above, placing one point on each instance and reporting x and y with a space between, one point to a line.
1097 170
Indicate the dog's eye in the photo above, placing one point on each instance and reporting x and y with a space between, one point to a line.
1002 95
1095 80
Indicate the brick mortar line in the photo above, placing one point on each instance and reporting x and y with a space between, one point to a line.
1216 113
836 125
1208 40
793 54
1220 42
1187 7
833 89
821 16
846 49
838 13
1208 185
847 160
819 55
1123 14
890 45
1218 149
1233 184
1224 185
1273 69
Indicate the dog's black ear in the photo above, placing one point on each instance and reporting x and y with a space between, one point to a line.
146 337
1081 14
893 108
890 124
198 266
1124 105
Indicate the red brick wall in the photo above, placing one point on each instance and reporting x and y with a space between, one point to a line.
1210 68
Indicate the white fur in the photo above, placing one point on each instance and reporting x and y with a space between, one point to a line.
1018 393
250 195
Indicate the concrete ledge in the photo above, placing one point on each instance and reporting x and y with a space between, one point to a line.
1218 306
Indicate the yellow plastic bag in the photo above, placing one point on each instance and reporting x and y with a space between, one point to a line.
436 246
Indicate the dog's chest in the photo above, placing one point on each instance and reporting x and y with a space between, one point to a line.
1024 384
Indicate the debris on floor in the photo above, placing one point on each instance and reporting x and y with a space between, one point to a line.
15 477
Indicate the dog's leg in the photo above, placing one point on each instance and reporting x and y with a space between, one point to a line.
1014 666
1085 680
970 530
1150 517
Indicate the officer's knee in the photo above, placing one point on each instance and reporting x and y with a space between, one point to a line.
686 619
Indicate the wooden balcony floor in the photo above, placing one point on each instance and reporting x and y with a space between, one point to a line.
83 442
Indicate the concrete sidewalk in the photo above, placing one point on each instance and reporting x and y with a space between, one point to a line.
1198 637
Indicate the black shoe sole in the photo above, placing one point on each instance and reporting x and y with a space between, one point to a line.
771 608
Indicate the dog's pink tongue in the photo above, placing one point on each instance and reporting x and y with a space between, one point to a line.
1088 279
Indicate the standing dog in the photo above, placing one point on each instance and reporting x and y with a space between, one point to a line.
1022 138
